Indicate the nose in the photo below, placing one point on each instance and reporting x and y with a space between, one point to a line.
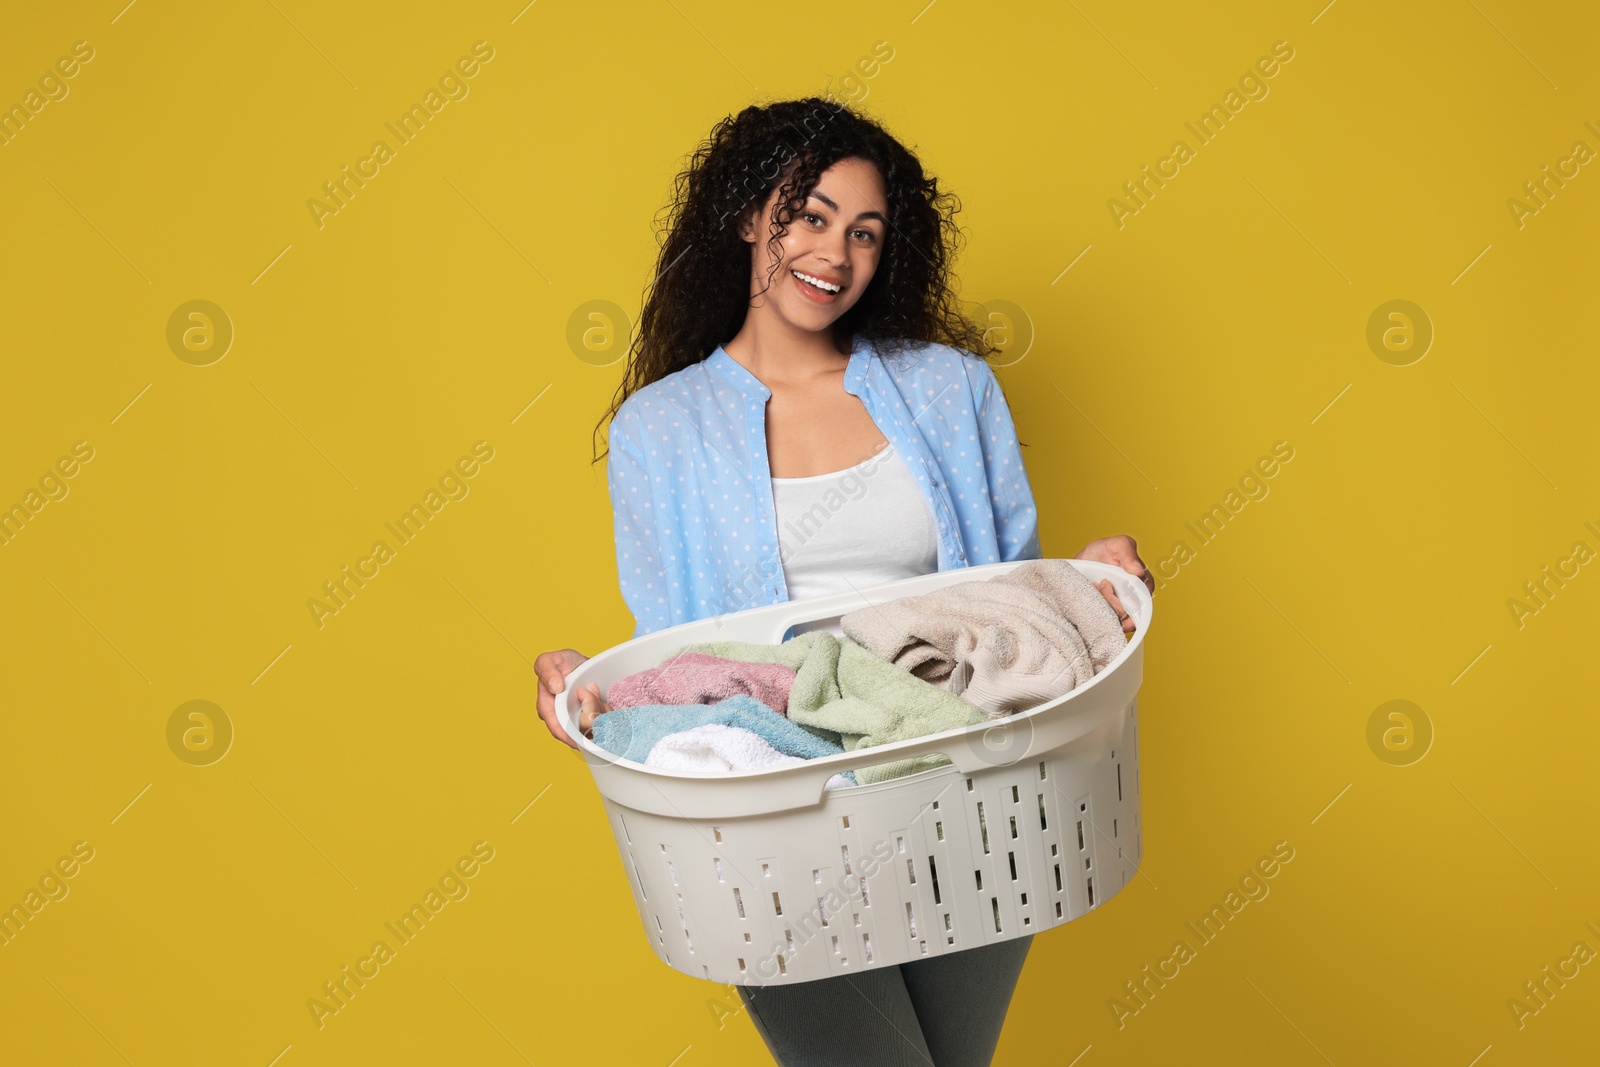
832 247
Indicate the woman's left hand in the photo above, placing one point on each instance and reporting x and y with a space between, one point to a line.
1119 551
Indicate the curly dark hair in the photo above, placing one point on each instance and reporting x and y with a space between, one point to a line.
700 294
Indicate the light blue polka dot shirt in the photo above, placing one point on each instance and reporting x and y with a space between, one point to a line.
691 490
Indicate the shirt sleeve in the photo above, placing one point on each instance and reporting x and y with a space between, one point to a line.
1016 519
641 570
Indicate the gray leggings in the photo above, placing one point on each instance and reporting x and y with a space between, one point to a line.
940 1012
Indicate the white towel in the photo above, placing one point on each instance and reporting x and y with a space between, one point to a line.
715 748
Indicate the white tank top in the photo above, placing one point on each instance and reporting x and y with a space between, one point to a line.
858 527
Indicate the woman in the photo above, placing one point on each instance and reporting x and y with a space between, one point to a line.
807 411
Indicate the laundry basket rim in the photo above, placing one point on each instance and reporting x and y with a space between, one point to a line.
1143 611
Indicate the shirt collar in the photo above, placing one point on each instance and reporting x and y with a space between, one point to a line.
855 373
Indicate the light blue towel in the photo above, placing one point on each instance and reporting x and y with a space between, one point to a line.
632 732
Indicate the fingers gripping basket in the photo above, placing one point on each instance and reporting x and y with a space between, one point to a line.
769 877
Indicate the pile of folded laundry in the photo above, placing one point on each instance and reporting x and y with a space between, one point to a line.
963 654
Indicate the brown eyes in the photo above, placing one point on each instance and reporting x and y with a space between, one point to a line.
867 236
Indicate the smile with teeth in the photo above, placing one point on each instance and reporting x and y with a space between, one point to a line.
817 283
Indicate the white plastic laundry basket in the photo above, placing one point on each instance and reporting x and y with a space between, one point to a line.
766 877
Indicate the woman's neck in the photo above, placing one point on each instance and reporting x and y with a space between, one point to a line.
776 352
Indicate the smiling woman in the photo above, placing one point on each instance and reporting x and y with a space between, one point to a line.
803 322
831 257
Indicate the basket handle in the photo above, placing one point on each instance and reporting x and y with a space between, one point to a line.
969 751
805 784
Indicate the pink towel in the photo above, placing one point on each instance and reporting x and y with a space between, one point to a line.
697 678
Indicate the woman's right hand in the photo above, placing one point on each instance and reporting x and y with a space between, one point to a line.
552 669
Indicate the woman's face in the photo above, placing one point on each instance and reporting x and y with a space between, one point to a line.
835 240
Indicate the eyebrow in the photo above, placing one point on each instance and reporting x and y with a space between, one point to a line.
864 215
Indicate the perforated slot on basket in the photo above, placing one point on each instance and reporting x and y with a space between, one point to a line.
788 937
938 829
1113 828
900 844
911 920
844 850
1088 862
1089 882
924 948
1119 781
1012 857
741 963
865 903
739 901
766 872
777 905
716 861
995 902
822 909
637 877
1024 900
979 875
1080 835
1015 799
866 943
1044 824
716 831
933 872
782 968
1041 771
835 944
845 819
983 826
1058 878
969 785
1058 909
911 870
1013 827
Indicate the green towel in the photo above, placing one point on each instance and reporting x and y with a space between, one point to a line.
846 694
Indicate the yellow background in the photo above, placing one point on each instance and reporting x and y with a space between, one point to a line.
370 353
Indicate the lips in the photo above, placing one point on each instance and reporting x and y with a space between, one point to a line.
813 286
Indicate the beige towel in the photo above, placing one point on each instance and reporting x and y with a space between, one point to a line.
1005 644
